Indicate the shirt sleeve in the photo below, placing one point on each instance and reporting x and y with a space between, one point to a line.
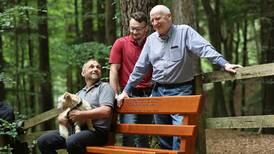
106 96
202 48
140 69
116 52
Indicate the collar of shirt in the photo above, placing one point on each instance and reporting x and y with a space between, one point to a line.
168 35
96 84
135 42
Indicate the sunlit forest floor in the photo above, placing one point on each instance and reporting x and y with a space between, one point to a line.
238 142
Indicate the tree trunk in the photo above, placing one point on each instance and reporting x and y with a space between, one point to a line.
100 37
17 74
267 33
129 7
2 86
110 24
229 50
87 20
46 98
219 108
245 63
32 110
185 13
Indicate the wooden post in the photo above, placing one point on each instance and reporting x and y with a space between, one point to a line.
201 140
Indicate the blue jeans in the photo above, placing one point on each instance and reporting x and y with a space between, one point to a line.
174 119
137 140
75 144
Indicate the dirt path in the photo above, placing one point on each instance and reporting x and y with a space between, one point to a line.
238 142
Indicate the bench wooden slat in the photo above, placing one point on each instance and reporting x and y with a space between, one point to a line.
147 149
151 129
161 105
131 150
106 150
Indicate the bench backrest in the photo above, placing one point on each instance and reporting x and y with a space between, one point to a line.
188 106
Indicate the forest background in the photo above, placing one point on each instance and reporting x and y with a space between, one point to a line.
43 44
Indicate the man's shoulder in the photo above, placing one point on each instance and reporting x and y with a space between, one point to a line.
122 39
152 36
105 85
182 27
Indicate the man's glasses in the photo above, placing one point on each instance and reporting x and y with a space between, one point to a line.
136 28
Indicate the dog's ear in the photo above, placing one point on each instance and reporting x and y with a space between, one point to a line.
67 96
60 102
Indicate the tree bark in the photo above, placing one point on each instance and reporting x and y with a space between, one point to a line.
100 37
2 86
110 24
245 63
46 98
129 7
185 13
219 108
267 42
87 20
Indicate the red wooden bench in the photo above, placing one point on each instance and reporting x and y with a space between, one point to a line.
189 106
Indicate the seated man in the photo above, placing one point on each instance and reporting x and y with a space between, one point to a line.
101 96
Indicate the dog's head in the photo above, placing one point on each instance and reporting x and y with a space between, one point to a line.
67 100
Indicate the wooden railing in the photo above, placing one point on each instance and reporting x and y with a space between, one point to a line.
260 121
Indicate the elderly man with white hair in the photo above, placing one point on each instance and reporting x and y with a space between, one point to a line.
169 51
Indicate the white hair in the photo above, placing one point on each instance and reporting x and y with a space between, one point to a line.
160 8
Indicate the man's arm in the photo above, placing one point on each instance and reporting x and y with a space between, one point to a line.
114 77
201 47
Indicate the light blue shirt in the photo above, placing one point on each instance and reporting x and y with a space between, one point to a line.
171 56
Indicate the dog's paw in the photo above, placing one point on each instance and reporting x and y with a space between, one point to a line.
63 131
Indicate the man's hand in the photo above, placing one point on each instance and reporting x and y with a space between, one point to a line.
62 118
231 67
120 98
75 115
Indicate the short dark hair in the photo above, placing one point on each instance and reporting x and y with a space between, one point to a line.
139 16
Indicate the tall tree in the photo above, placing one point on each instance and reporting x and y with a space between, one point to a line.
2 86
87 20
110 24
267 41
129 7
245 61
46 98
214 25
184 12
100 20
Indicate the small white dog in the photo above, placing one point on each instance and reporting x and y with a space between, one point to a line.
68 102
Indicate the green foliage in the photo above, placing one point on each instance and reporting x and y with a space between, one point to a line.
7 18
10 129
7 128
6 149
78 54
5 78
